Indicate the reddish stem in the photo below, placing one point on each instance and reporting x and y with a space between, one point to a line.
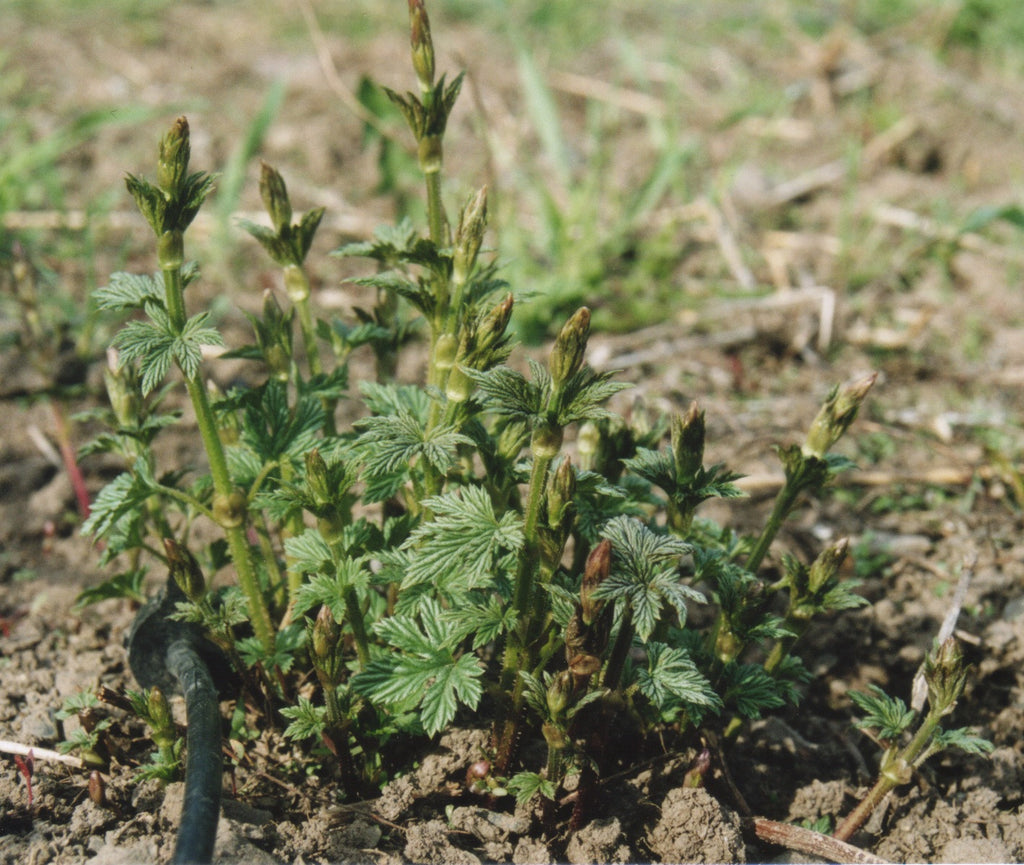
67 452
25 766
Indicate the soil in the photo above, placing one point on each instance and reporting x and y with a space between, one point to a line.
939 315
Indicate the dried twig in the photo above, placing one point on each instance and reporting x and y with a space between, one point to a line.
7 747
351 223
811 842
909 220
602 91
762 484
919 693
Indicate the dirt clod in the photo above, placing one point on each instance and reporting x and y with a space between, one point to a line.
696 827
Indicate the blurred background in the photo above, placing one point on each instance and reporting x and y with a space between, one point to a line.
755 198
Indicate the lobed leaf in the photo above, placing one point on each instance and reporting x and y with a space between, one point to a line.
460 548
389 443
888 716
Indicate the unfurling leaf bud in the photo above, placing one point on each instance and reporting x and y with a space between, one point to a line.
836 415
445 351
477 776
492 326
172 166
316 477
296 283
588 442
124 399
185 570
422 44
561 491
595 572
558 694
570 346
688 443
469 236
159 718
275 197
326 634
823 569
946 675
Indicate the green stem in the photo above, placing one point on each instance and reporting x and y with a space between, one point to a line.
530 558
889 780
520 649
188 500
316 366
784 502
354 615
308 329
617 658
435 209
238 544
335 717
783 645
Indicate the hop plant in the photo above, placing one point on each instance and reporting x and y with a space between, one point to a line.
448 556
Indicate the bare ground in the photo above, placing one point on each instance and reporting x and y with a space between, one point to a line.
840 198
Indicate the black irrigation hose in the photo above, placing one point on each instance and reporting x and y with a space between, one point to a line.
203 761
174 656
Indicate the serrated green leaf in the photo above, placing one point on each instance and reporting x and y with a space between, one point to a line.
188 346
485 622
389 244
127 584
330 588
525 785
507 392
125 496
307 721
454 684
750 689
309 553
387 399
658 467
963 739
588 391
888 716
420 672
389 443
671 674
461 547
842 597
128 291
274 429
645 574
535 692
287 643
